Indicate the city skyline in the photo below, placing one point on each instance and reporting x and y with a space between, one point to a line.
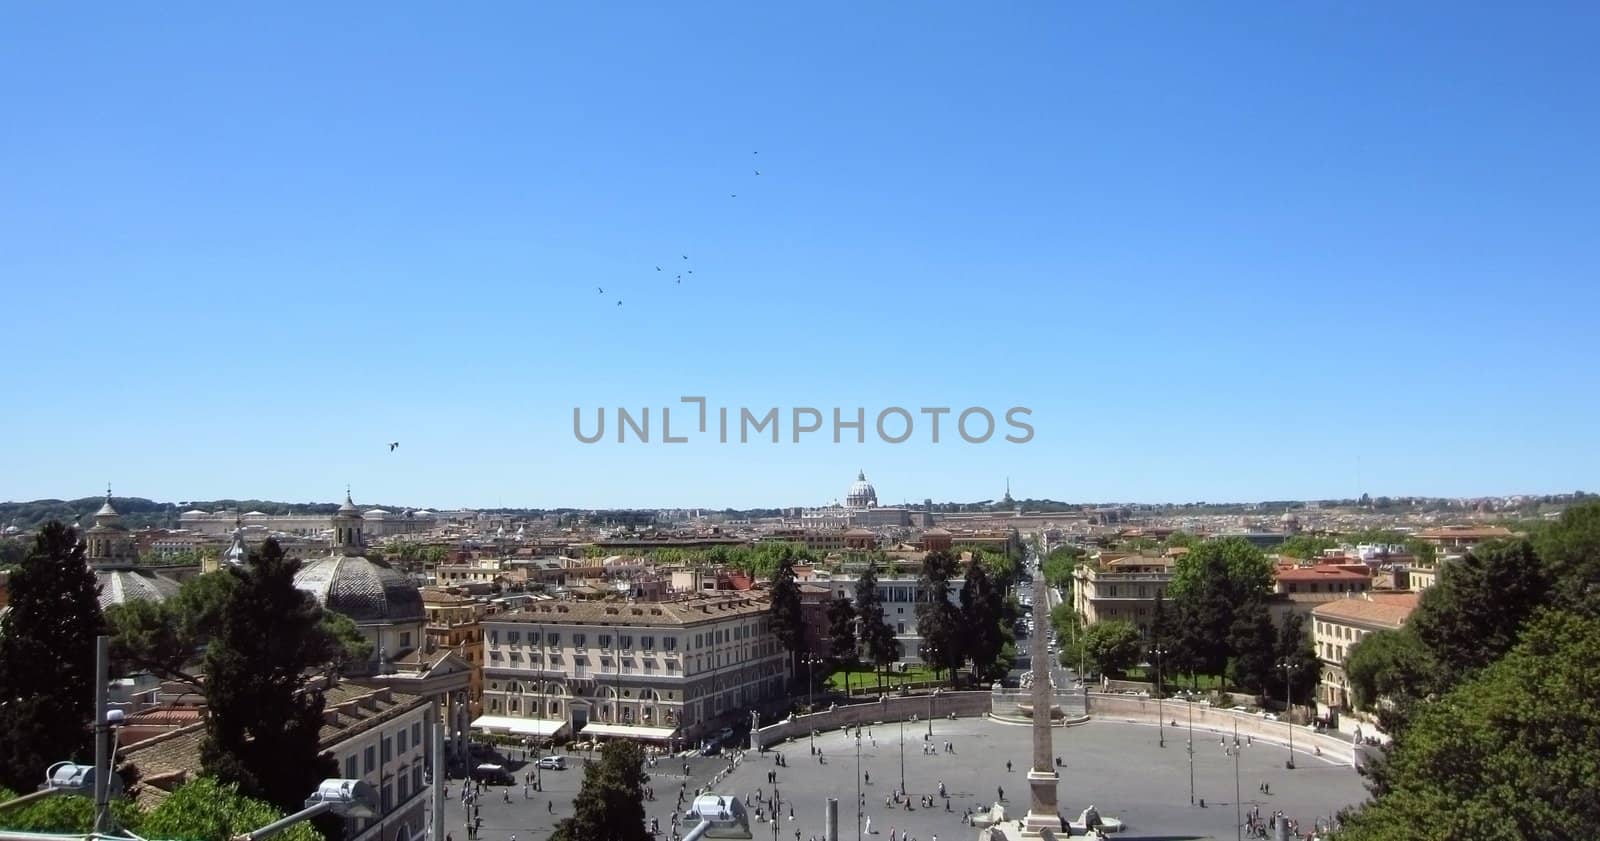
1289 253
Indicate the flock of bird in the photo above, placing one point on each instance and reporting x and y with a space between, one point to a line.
678 276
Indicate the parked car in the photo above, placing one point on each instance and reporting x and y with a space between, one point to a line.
553 763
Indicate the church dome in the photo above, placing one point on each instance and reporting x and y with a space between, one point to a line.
862 494
367 591
123 584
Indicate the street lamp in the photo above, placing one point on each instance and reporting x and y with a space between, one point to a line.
1161 719
345 798
810 661
858 783
1189 697
1238 808
1289 667
931 697
903 758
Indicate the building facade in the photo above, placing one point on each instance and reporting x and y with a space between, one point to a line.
1338 625
1122 588
900 596
662 671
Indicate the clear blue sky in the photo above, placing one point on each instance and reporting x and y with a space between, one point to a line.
1294 250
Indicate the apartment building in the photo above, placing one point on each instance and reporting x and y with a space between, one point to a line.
374 733
900 595
454 625
1121 588
1338 625
654 671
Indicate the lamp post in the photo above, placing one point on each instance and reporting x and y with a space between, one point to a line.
903 757
811 661
858 784
931 696
1289 667
1238 808
1189 697
1161 719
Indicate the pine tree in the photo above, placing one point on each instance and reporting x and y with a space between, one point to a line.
842 644
939 621
982 618
875 634
1254 642
610 805
788 624
47 642
264 714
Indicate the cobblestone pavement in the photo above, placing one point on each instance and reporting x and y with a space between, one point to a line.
1117 767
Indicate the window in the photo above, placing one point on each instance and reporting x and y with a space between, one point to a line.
387 746
647 643
579 640
494 637
533 638
405 639
388 798
416 733
416 777
555 641
605 641
404 784
400 742
513 637
371 759
669 643
352 767
626 642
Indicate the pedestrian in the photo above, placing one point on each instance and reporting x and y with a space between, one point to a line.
869 826
867 776
1000 793
550 807
1008 766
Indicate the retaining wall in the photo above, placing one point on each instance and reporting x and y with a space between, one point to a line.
890 709
1218 724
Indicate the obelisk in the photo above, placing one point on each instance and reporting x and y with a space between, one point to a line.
1043 819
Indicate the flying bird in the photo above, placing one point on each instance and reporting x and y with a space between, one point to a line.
619 302
758 172
685 256
393 445
601 291
733 195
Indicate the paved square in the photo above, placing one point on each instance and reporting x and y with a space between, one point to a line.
1116 766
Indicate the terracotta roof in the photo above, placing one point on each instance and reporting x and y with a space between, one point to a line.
1468 531
1390 612
686 612
1321 572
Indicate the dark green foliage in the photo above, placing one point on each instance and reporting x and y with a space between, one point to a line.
1306 547
1571 552
1294 646
1389 674
47 642
938 621
1113 647
787 623
610 806
842 645
984 620
1059 564
1208 585
1254 641
263 722
1511 753
876 636
1473 615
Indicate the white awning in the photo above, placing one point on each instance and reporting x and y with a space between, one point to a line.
525 726
628 731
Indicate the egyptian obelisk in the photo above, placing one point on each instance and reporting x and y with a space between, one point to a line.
1043 819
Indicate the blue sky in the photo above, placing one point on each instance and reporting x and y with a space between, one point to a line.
1282 251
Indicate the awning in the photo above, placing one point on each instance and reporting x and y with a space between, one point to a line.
628 731
525 726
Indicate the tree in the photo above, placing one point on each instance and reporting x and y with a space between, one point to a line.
47 669
1389 673
264 714
610 805
939 621
66 813
1570 548
205 809
1253 639
1059 565
983 621
842 645
1208 584
1306 547
1513 752
1113 647
1474 613
788 625
877 638
1294 646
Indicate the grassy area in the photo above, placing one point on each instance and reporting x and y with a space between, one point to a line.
1206 682
861 678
